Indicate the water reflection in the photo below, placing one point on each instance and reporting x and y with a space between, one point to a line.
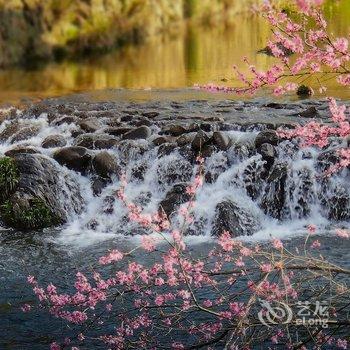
197 55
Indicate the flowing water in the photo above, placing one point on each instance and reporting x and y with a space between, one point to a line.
293 195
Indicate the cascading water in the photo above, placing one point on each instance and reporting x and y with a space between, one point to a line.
250 188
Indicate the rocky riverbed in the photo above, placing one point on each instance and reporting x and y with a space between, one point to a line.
62 161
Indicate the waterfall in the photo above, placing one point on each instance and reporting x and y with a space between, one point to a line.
248 187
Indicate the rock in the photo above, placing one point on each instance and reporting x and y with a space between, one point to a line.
273 200
114 122
142 132
126 118
85 140
105 165
200 140
105 142
143 122
311 112
150 114
275 105
25 133
175 130
43 197
267 136
160 140
304 91
174 198
234 219
119 131
98 185
9 131
90 125
221 140
268 154
20 149
65 120
74 158
185 139
96 141
53 141
207 127
208 151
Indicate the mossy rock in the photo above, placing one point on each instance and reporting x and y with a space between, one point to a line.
304 91
36 216
9 177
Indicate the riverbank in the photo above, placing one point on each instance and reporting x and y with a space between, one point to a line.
35 30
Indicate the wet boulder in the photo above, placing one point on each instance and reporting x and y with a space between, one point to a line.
104 141
53 141
208 150
185 139
9 130
105 165
43 196
268 154
25 133
174 198
98 184
160 140
96 141
142 132
117 131
85 140
90 125
231 217
221 140
74 158
67 119
200 140
175 130
21 149
266 136
274 197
